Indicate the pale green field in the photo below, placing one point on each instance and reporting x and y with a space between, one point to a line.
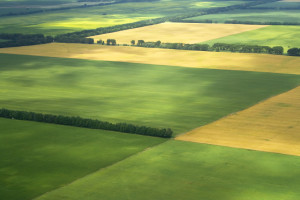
179 170
285 36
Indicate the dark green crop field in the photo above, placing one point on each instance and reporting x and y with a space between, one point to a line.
39 157
157 96
179 170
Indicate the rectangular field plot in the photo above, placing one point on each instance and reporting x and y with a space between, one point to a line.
38 157
260 16
285 36
183 58
273 126
157 96
177 32
179 170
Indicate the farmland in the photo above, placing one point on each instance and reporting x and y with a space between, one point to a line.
183 58
178 32
183 170
58 22
135 93
23 7
272 125
252 15
210 72
280 5
285 36
38 157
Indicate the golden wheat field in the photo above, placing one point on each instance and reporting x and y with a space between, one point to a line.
272 126
177 32
183 58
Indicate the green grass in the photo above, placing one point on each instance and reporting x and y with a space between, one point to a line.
179 170
58 22
156 96
252 15
38 157
285 36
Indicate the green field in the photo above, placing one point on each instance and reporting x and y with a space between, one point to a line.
252 15
279 5
285 36
156 96
179 170
58 22
25 7
39 157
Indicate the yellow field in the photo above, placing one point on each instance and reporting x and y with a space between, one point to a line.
272 126
182 58
177 32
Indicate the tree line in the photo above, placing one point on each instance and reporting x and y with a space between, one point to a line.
86 123
74 36
242 48
294 52
210 21
18 39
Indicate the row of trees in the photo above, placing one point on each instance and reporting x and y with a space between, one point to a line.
275 8
86 123
175 18
210 21
294 52
72 39
242 48
17 39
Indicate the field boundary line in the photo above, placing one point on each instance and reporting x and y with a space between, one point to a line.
259 102
223 131
100 169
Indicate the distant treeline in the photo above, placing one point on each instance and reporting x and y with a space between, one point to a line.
86 123
238 22
28 12
67 39
294 52
242 48
275 8
18 39
86 33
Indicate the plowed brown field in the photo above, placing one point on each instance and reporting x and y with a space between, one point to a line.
272 126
